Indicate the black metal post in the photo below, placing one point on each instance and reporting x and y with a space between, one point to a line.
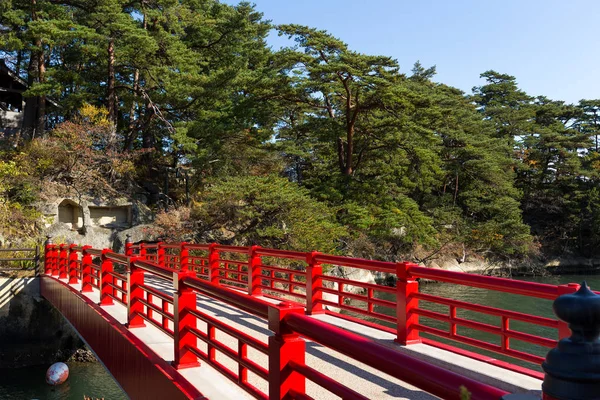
572 369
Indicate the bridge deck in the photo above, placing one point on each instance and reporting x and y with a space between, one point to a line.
366 380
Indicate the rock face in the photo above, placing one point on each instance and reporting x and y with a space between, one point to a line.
354 274
470 266
137 233
32 332
83 355
573 265
99 224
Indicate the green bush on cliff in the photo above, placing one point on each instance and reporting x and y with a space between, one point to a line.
270 211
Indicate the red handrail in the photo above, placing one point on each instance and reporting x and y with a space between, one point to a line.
431 378
381 266
532 289
288 254
154 268
120 258
245 302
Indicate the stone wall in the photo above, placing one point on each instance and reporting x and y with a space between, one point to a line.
32 332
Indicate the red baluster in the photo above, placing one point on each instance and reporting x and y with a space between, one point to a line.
106 280
406 304
184 301
135 308
254 272
86 270
55 260
314 284
285 346
48 247
73 264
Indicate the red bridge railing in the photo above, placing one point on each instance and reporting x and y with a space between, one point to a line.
403 310
215 271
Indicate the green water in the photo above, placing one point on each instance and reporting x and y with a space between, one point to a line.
90 379
523 304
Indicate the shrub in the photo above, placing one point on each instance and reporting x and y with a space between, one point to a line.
268 211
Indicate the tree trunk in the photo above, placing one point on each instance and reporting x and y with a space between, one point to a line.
35 107
111 92
30 112
147 135
132 120
349 150
455 189
131 131
41 112
19 61
340 151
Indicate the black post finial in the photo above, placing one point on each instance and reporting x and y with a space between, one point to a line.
48 240
128 238
573 367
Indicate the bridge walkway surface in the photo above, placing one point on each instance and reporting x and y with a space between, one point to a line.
368 381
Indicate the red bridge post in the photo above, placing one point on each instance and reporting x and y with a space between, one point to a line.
63 260
48 247
128 246
213 264
106 279
254 272
72 264
184 257
160 253
86 270
285 347
406 304
314 284
184 303
143 251
135 308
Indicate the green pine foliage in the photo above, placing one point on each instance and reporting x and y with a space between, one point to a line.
314 146
268 210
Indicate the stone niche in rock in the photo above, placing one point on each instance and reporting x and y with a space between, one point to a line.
111 216
71 214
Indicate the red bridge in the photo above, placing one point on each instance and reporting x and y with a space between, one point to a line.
197 321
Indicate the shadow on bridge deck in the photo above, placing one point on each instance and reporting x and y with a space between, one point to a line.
207 381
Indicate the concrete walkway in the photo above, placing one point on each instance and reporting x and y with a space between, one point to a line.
359 377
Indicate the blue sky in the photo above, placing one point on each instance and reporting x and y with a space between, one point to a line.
551 46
